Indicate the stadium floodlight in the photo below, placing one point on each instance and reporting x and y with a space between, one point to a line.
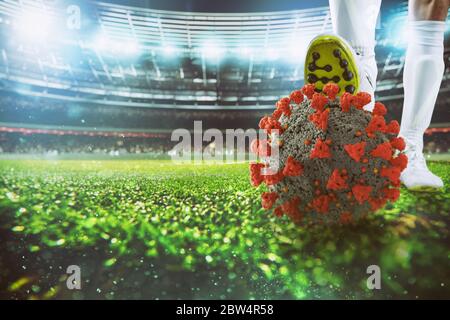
212 51
104 44
33 25
271 54
397 32
131 47
168 50
245 51
295 54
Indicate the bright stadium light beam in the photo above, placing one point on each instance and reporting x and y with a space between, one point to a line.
131 48
398 32
295 54
245 51
33 25
168 50
100 43
104 44
212 51
271 54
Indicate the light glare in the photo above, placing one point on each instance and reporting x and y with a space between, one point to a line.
33 25
212 51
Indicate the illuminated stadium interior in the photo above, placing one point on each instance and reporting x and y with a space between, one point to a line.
143 69
88 176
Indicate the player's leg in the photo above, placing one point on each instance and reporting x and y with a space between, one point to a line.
422 76
354 23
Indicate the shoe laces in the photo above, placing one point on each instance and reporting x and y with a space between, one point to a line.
415 157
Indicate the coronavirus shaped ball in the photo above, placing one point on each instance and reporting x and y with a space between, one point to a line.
336 161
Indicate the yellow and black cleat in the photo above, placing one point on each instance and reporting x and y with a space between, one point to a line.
330 59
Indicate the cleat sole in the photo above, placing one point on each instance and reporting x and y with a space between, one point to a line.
330 59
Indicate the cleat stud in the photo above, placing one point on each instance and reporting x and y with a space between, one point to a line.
350 88
324 80
312 67
347 75
312 78
315 56
327 68
337 53
336 79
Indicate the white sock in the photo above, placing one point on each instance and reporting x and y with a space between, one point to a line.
355 21
422 76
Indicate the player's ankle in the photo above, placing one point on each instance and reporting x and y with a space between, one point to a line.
368 77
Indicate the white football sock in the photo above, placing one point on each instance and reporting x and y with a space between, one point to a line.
422 76
355 21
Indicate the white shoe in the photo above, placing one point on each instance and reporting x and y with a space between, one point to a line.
417 176
368 77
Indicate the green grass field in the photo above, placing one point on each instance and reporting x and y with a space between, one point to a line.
153 229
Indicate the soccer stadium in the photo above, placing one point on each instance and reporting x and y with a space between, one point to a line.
90 95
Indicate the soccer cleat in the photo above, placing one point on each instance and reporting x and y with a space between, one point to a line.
417 176
331 59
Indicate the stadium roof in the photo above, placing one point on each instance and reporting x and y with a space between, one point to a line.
157 28
229 30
